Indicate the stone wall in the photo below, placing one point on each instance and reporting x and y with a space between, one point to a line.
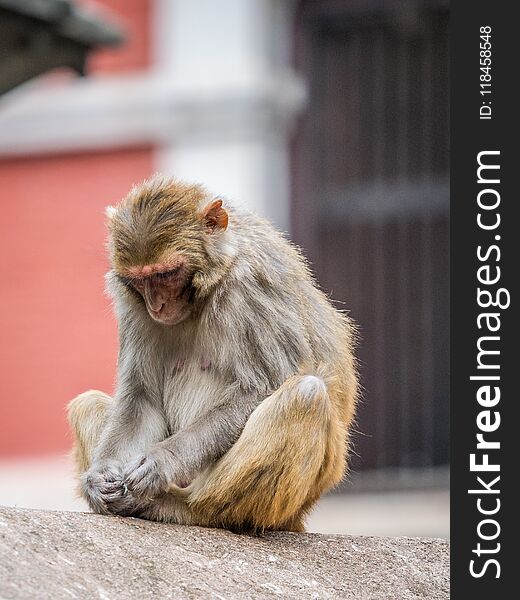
55 555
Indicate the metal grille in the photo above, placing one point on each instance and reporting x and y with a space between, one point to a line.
371 210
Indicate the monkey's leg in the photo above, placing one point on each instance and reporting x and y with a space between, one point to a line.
290 451
88 414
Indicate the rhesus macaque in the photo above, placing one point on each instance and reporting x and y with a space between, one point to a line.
236 379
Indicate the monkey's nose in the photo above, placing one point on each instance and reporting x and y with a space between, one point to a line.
157 308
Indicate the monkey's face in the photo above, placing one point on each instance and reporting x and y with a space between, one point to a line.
165 289
161 240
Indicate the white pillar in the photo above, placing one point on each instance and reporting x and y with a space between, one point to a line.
234 97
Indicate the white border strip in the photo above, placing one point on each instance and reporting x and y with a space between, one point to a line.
144 109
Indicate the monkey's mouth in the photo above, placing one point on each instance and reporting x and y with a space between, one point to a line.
170 319
170 314
176 309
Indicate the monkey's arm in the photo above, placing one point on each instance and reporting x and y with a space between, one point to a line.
133 424
178 458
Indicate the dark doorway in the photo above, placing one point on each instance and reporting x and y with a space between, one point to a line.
371 202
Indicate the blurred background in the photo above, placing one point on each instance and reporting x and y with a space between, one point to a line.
329 117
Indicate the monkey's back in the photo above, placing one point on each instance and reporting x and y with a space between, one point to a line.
278 318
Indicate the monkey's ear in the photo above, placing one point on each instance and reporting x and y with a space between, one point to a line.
214 216
110 211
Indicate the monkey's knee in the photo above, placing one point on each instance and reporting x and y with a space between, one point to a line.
271 474
307 392
301 406
87 415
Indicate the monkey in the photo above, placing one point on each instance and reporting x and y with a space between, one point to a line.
236 381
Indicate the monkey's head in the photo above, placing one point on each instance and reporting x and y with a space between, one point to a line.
164 246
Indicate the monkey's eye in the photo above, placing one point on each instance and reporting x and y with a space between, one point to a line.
166 275
137 284
125 280
130 282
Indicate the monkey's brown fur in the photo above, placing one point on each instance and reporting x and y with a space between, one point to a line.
250 441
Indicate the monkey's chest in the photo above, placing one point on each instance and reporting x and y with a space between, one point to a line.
192 389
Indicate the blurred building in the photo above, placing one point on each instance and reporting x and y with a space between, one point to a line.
330 117
371 208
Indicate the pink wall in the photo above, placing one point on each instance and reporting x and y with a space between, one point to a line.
135 16
57 333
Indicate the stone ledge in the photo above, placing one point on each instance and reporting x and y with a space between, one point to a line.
54 555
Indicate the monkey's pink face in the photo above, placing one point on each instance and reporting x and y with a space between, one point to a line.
166 291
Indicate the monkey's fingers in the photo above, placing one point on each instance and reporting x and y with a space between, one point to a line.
99 492
109 488
123 503
96 500
144 477
112 498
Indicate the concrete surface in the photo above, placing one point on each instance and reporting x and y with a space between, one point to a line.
47 483
418 513
54 555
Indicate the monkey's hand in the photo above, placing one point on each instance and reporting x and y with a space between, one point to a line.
106 492
153 472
